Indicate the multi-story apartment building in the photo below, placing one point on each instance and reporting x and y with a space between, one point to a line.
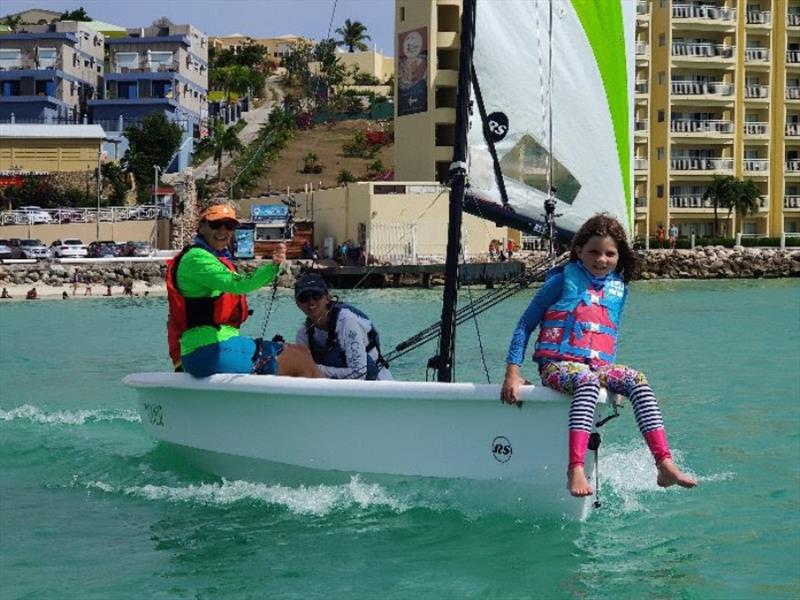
162 68
50 72
276 47
717 93
427 76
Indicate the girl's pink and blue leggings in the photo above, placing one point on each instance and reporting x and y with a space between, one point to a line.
583 382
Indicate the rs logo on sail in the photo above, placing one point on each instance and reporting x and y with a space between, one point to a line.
501 449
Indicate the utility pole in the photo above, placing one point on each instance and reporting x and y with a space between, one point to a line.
156 169
99 158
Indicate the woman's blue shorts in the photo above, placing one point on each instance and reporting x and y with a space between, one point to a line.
239 354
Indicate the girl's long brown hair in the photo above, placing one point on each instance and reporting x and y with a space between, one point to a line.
602 225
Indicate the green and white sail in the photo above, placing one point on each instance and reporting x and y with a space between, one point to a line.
591 82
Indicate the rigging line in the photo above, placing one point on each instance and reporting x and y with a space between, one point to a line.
475 320
498 175
330 24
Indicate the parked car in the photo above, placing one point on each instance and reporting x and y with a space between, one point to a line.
35 214
135 249
35 249
16 249
5 250
69 248
102 249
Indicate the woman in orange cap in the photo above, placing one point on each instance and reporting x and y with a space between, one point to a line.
208 303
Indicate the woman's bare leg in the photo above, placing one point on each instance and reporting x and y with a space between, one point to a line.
296 361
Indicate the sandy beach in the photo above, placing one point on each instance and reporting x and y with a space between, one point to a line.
48 292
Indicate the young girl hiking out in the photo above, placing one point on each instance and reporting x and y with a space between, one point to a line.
578 311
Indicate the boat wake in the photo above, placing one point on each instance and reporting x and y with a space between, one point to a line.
319 500
27 412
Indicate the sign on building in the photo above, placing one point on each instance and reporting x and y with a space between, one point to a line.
412 72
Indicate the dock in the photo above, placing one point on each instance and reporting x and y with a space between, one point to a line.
380 276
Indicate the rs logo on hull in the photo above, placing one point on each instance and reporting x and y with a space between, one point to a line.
501 449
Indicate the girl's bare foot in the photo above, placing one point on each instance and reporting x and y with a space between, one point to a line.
669 474
577 484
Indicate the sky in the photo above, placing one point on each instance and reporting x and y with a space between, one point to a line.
256 18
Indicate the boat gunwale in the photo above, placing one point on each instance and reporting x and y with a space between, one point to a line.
297 386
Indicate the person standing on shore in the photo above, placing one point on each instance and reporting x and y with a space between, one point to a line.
578 310
75 280
208 303
660 235
673 236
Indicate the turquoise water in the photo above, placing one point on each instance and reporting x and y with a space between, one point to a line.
90 507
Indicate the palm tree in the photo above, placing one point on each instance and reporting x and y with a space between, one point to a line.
353 35
746 201
13 22
224 140
722 193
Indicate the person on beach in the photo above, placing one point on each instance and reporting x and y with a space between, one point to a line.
578 311
341 338
5 295
208 303
75 280
673 236
32 294
64 295
660 235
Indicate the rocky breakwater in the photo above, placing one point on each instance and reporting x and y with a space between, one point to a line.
57 274
717 262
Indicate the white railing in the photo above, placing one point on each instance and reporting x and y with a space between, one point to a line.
756 164
756 54
689 201
792 166
702 50
640 201
641 48
792 92
793 20
640 126
641 87
793 56
695 88
756 128
700 126
791 202
759 17
642 7
85 215
756 91
701 164
792 129
408 243
694 11
639 164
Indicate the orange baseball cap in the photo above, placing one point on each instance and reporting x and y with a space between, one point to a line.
218 212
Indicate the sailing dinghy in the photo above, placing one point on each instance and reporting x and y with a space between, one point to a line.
563 65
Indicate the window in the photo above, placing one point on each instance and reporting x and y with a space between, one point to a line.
46 58
662 39
402 13
660 116
660 153
126 61
662 77
159 61
659 191
10 58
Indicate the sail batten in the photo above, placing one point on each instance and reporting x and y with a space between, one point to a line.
592 103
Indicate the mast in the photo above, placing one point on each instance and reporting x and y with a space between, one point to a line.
444 361
550 203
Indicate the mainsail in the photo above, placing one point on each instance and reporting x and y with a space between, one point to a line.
590 75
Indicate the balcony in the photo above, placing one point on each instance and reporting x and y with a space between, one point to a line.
145 66
689 201
702 51
695 88
792 166
756 165
642 8
756 54
701 164
640 127
640 164
759 17
641 87
706 13
793 57
756 92
700 126
640 201
756 128
792 129
792 92
29 62
642 49
793 20
791 202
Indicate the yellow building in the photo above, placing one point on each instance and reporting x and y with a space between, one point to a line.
717 93
370 62
48 148
277 47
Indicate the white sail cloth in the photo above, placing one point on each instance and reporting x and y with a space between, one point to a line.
592 117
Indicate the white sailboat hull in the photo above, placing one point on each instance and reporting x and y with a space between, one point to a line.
291 430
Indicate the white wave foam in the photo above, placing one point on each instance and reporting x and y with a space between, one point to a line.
313 500
67 417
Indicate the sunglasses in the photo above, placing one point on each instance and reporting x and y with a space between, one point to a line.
229 225
306 296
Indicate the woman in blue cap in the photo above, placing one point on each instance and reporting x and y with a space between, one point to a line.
341 338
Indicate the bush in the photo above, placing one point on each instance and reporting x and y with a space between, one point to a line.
359 147
365 79
345 176
685 243
311 163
